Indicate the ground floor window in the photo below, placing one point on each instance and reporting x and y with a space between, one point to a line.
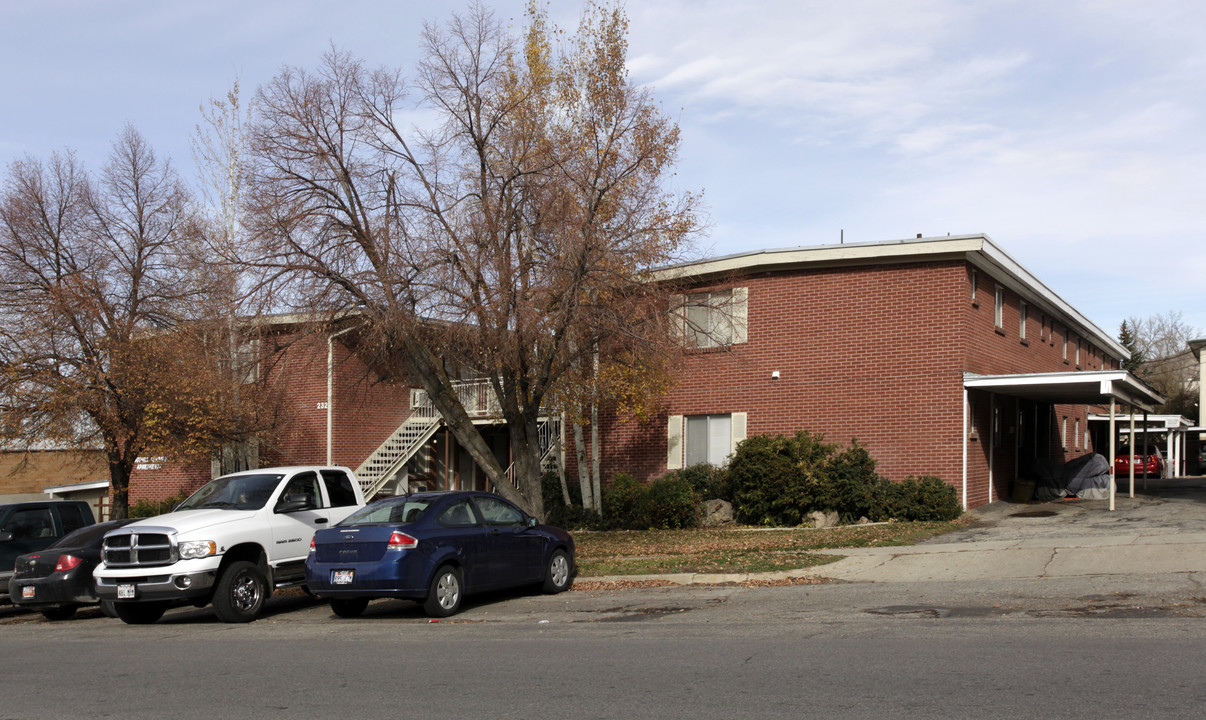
709 439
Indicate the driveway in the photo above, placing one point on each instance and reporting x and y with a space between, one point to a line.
1161 530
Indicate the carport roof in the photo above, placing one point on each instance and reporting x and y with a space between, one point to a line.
1073 388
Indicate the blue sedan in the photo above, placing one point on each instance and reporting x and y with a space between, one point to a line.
435 548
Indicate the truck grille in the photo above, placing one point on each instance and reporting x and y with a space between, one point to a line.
138 549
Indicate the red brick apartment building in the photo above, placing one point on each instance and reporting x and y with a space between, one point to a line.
943 356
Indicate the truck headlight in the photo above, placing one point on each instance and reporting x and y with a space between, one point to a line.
197 549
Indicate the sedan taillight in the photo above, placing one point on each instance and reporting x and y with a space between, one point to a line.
66 562
401 541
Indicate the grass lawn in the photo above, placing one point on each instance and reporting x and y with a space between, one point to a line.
738 550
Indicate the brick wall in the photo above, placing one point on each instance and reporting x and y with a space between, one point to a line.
875 353
366 410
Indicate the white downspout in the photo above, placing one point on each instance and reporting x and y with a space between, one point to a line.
331 386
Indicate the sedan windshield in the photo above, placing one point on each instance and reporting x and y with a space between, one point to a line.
390 511
233 492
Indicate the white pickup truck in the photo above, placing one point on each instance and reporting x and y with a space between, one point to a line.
230 543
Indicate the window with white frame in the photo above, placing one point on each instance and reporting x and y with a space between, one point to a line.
975 276
1078 352
715 318
1063 432
695 439
1022 307
1000 307
1065 346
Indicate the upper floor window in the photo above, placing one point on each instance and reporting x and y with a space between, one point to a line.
1022 308
1078 352
975 275
716 318
1065 346
1000 307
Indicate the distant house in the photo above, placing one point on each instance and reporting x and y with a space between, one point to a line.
42 471
943 356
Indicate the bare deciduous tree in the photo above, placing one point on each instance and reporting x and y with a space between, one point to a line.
1162 341
103 311
511 239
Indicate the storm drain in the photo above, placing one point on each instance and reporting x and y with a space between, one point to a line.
1035 514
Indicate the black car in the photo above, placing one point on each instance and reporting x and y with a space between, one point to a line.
26 527
58 579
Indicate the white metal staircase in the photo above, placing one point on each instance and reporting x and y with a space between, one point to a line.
381 466
477 398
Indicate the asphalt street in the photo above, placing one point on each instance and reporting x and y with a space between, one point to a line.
1104 637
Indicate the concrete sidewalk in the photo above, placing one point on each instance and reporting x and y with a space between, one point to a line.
1161 530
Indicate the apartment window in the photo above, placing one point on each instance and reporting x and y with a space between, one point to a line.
1022 308
1065 347
1077 352
1063 433
1000 307
695 439
709 439
975 275
716 318
1076 432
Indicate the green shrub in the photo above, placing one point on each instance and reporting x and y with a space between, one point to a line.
926 498
556 512
625 505
777 479
672 503
151 508
708 481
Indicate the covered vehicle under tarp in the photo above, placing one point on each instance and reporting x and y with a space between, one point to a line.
1087 477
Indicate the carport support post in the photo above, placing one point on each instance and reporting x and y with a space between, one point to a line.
1113 431
1131 463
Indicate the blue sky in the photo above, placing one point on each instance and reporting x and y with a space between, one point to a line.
1070 132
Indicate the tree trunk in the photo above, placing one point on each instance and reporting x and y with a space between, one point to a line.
596 459
583 468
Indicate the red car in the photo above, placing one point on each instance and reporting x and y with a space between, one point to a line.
1150 465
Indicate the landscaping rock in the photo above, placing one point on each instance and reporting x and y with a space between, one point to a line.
717 512
823 519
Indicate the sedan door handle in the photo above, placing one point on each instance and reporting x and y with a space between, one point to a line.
319 521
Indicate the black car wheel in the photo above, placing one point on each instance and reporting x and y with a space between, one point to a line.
444 596
140 613
557 578
60 612
349 607
241 592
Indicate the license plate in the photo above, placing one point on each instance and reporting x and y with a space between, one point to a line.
125 592
341 577
27 592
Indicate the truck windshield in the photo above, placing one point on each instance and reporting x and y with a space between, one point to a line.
234 492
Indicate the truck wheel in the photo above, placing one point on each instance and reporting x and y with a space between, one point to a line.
61 612
240 593
139 613
107 609
444 596
349 607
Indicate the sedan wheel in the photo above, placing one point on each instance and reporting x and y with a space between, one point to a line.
350 607
444 596
557 578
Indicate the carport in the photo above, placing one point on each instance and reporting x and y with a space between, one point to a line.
1104 388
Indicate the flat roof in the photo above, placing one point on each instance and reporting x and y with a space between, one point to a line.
977 249
1088 387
